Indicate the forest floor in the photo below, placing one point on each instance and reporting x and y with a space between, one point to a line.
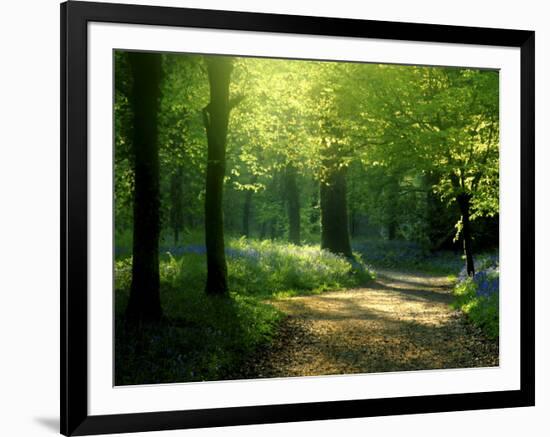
401 321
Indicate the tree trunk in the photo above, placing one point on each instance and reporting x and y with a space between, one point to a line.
176 201
144 302
247 208
216 117
334 213
263 230
246 212
352 224
293 205
464 204
391 192
392 229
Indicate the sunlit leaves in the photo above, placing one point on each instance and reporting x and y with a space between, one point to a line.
402 132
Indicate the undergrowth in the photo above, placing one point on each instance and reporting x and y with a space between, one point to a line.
207 338
408 255
478 297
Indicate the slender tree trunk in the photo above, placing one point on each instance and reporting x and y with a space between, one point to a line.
144 303
176 203
334 214
392 194
464 204
392 229
293 204
216 117
247 208
314 209
263 230
352 224
246 212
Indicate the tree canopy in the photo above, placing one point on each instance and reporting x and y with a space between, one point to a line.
311 151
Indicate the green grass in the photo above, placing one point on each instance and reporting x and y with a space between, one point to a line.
201 338
208 338
482 311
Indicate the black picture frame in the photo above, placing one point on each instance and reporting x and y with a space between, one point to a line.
75 16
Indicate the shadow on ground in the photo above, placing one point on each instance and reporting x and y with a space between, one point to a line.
402 321
50 423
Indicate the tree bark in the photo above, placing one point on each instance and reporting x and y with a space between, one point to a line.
246 212
334 213
392 229
464 204
273 229
216 117
247 209
144 302
176 207
263 230
352 224
293 205
391 193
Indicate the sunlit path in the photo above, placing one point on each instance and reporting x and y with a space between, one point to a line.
402 321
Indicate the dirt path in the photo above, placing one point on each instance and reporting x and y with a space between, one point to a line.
401 322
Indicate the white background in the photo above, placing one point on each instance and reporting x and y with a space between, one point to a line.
29 219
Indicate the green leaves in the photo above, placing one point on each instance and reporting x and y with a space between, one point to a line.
442 121
426 131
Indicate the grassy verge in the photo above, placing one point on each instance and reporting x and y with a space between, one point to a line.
206 338
201 338
478 297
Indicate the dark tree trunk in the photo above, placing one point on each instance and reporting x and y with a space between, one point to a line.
144 302
352 224
392 230
176 200
216 117
392 194
314 209
334 213
464 204
247 209
246 212
293 205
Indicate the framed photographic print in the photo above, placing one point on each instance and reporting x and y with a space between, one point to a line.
271 218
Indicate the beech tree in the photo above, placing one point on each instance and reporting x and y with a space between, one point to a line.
216 119
144 302
442 123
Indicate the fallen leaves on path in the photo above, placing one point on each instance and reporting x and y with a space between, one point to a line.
402 321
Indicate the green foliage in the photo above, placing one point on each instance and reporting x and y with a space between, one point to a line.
412 137
206 338
201 338
276 269
440 123
259 268
482 310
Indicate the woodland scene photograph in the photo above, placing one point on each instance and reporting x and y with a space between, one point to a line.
286 218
